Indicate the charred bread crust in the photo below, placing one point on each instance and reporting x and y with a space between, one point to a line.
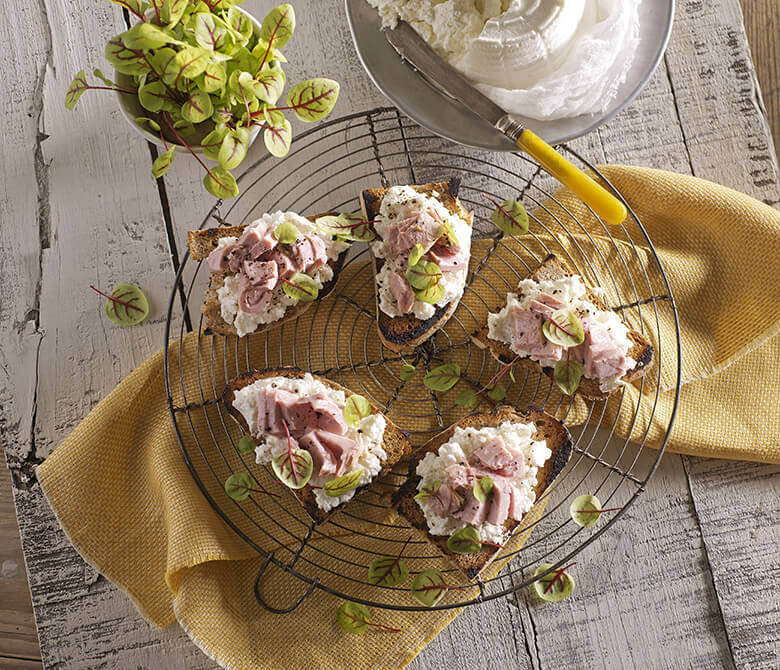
558 440
395 441
405 332
641 350
202 242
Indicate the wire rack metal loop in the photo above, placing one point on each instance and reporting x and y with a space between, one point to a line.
325 170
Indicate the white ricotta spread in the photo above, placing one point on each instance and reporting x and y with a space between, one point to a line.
464 442
399 203
369 433
570 290
546 59
245 322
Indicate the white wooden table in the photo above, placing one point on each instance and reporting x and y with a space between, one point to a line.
688 579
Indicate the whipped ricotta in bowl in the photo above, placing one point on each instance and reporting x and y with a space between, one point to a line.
543 59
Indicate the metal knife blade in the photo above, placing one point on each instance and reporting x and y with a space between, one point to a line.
416 51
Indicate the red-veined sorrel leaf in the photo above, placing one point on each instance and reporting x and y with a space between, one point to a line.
301 287
240 485
189 63
124 59
423 275
212 143
555 586
466 398
210 31
356 408
293 468
154 96
564 329
145 36
232 152
246 445
126 305
347 227
313 99
344 484
170 11
388 570
429 587
586 510
162 163
240 24
136 7
213 78
197 108
278 138
432 295
76 89
482 488
269 84
567 375
277 29
220 183
464 541
509 217
286 233
443 377
407 372
354 618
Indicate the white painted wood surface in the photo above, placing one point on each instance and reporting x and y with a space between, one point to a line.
687 579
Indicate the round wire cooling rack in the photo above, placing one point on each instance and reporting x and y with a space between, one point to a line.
325 170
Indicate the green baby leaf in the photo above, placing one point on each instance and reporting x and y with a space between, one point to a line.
443 377
431 295
75 90
278 26
294 468
99 74
146 121
301 287
220 183
162 163
415 254
407 372
126 305
464 541
136 7
423 275
232 151
429 587
145 35
344 484
171 11
482 488
353 618
356 408
498 393
511 218
347 227
427 491
239 486
278 139
564 329
555 586
269 84
567 375
124 59
466 398
286 233
313 99
246 445
210 31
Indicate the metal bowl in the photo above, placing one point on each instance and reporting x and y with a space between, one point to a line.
447 118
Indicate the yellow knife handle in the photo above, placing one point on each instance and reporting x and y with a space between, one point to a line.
601 201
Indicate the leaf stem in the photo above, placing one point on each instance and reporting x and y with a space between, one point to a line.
167 118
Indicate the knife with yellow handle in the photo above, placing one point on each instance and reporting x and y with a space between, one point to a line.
416 52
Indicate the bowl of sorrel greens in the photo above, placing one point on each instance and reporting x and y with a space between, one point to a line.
204 77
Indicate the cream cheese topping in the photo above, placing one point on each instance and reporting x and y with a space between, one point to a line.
573 291
399 203
369 433
546 59
227 294
463 443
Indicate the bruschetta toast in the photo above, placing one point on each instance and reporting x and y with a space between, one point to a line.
429 226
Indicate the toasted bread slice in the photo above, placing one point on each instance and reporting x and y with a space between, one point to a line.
202 242
547 428
395 441
402 333
641 350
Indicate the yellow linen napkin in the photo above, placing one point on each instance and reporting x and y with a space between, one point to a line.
122 492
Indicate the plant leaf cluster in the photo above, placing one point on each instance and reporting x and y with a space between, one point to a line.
200 69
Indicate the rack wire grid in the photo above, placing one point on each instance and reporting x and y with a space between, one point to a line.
325 170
